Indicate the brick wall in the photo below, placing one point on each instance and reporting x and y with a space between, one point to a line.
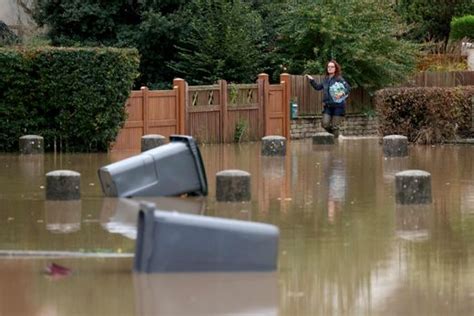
353 125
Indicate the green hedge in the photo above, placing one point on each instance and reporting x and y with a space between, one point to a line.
425 115
462 27
73 97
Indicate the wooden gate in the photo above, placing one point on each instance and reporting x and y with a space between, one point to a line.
277 105
152 112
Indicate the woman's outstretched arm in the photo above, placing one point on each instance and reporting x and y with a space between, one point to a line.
314 84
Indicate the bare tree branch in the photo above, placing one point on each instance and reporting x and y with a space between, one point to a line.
25 7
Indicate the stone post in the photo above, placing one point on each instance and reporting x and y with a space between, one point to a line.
395 146
63 185
273 146
323 138
413 187
151 141
233 186
31 144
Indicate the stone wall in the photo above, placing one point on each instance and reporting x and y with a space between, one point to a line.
353 125
470 58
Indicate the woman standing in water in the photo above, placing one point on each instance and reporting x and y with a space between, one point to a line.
336 90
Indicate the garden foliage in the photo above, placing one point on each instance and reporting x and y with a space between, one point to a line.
462 27
362 35
7 37
201 40
429 20
425 115
223 41
73 97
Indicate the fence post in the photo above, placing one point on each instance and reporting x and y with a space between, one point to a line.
263 87
286 84
145 104
181 88
224 114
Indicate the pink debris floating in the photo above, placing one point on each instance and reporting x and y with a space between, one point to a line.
56 270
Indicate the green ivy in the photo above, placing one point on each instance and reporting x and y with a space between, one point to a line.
73 97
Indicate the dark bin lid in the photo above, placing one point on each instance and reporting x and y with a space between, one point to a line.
194 148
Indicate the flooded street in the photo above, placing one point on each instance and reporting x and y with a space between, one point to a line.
345 247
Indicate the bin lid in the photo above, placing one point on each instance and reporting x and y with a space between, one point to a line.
196 153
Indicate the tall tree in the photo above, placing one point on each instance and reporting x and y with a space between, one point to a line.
362 35
223 41
430 19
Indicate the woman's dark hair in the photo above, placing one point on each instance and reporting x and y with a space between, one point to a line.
338 68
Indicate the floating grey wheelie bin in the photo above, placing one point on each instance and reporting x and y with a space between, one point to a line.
169 170
176 242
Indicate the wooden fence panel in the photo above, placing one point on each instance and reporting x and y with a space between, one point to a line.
134 125
441 79
150 112
204 125
308 99
162 113
358 101
211 114
243 112
204 113
246 118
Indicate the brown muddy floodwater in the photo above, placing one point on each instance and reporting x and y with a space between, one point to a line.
345 247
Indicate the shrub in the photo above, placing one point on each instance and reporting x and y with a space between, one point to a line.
72 96
7 37
425 115
462 27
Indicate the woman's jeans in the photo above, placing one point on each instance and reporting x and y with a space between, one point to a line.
331 123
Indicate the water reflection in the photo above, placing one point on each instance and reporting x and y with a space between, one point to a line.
14 285
467 200
63 216
392 166
368 257
337 187
213 294
412 221
119 215
236 210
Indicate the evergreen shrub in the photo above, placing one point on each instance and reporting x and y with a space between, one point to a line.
425 115
73 97
462 27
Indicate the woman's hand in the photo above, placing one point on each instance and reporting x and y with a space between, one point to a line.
309 77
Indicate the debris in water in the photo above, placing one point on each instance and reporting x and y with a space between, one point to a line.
57 271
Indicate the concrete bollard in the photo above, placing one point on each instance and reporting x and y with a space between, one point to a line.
323 138
233 186
152 141
63 185
395 146
413 187
273 146
31 145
